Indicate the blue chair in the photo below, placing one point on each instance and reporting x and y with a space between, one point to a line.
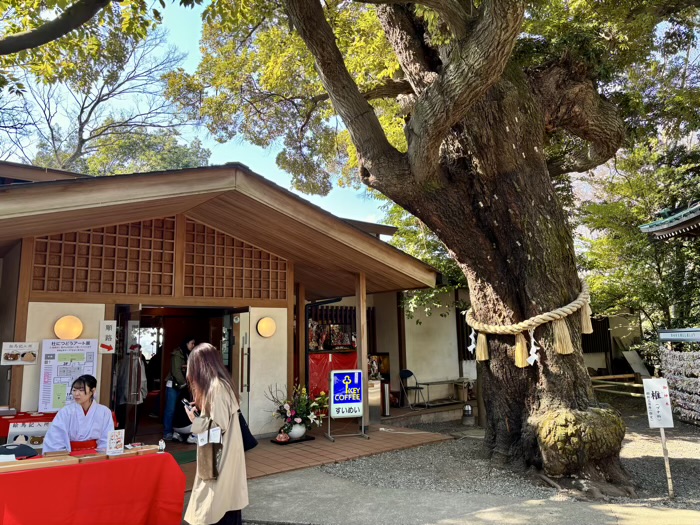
405 375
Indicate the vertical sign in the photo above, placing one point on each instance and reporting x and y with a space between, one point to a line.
346 394
108 337
658 403
660 416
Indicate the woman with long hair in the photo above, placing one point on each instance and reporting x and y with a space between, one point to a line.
218 501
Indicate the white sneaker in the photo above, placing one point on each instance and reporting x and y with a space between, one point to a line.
192 438
178 437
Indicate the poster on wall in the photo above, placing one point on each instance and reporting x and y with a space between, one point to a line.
62 362
19 353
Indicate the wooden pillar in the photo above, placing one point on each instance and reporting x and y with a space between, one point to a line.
290 326
105 386
361 335
180 237
302 331
26 266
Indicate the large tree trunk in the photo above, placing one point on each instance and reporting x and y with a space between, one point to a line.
498 212
475 173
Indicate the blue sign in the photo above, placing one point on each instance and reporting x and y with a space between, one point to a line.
346 393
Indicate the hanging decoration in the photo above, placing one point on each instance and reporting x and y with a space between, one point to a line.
472 342
562 336
534 356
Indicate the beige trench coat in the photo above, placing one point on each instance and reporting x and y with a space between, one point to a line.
210 500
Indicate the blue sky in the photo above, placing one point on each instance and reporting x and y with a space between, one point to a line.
184 27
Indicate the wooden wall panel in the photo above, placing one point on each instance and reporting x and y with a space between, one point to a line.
137 258
218 265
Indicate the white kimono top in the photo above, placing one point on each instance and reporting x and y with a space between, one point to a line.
72 424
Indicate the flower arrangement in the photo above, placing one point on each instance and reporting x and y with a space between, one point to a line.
300 409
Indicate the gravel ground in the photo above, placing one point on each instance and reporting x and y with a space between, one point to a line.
457 466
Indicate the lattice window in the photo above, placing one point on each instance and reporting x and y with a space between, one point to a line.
136 258
218 265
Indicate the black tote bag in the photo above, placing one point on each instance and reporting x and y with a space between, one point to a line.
249 440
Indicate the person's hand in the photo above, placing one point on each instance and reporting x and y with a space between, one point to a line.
190 412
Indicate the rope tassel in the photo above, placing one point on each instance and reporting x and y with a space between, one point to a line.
562 337
521 353
482 348
586 325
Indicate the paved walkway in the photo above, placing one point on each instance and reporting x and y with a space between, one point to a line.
268 458
313 497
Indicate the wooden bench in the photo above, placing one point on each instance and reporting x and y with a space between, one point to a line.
464 382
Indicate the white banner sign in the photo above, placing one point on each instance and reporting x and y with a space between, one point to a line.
658 403
108 337
62 362
19 353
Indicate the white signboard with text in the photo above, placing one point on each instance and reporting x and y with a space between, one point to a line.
28 433
62 362
108 337
19 353
658 402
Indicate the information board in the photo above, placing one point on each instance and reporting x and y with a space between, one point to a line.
346 394
658 403
62 362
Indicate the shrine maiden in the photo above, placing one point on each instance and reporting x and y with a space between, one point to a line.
83 424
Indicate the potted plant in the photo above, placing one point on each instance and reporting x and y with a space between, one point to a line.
300 412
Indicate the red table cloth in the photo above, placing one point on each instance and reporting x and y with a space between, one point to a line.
147 490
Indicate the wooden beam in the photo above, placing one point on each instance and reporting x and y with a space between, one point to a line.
155 300
361 334
302 331
26 264
106 369
290 324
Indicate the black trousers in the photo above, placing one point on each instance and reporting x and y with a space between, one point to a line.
232 517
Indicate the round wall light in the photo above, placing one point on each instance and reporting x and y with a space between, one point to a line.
68 327
266 327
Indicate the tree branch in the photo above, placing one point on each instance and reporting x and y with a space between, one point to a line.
452 12
573 104
472 67
375 152
398 26
72 18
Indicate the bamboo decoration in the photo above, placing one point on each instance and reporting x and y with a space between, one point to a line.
586 325
482 348
562 337
521 352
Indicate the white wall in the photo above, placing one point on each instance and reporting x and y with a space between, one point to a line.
386 315
595 360
40 320
268 367
431 348
9 278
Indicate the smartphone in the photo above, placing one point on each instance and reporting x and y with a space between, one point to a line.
188 404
